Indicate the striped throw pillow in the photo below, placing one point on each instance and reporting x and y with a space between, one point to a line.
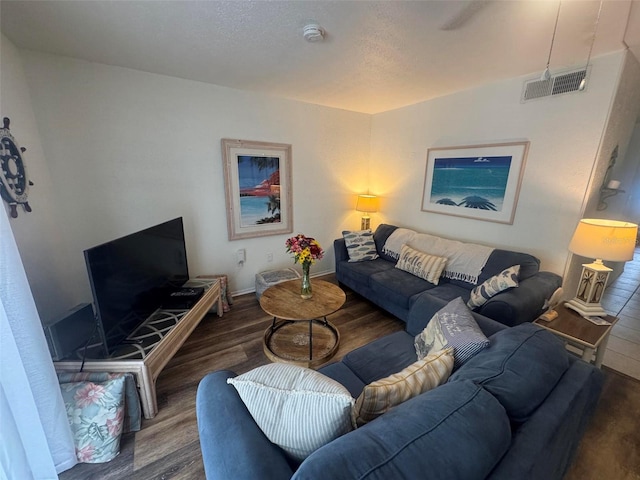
360 245
508 278
380 396
420 264
452 326
297 408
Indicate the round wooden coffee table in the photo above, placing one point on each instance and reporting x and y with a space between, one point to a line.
289 339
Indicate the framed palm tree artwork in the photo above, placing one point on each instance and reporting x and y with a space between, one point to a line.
481 182
257 188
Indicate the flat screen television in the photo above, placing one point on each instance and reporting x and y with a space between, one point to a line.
131 276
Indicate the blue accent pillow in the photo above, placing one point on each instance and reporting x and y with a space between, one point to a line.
360 245
382 233
506 279
520 368
452 326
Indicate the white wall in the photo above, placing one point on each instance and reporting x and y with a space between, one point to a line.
632 211
38 234
564 132
128 149
623 130
625 109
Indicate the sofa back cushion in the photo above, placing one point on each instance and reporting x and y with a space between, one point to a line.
457 430
500 260
496 263
520 368
426 306
380 237
382 357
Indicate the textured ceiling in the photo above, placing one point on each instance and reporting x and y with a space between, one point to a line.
376 56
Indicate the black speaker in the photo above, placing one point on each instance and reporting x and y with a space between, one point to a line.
69 331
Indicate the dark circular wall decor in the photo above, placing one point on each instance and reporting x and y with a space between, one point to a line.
14 181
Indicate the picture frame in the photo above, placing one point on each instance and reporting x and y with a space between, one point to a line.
481 182
257 188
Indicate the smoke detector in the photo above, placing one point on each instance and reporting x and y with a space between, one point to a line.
313 33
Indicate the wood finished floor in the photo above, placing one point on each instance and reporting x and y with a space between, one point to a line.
167 446
622 299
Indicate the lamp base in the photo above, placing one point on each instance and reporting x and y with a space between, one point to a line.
593 281
365 224
591 310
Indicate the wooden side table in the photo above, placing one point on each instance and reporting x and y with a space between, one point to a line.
580 333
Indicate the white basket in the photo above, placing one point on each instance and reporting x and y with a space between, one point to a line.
269 278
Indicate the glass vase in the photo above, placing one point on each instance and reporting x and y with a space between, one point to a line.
305 291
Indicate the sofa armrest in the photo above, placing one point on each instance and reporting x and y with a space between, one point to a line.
524 303
340 249
233 446
555 429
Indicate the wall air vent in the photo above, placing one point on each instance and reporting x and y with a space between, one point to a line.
557 85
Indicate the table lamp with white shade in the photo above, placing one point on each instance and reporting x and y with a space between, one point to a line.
610 240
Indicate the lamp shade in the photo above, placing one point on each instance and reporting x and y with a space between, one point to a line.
367 203
610 240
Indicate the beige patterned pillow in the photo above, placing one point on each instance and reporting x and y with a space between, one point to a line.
421 264
380 396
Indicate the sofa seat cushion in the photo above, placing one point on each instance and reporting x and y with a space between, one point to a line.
297 408
397 286
520 367
449 291
457 430
381 358
342 374
360 272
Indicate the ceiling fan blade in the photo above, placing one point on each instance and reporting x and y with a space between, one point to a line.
464 14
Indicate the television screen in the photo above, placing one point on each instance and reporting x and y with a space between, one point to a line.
130 277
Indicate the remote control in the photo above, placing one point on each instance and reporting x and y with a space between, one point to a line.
597 320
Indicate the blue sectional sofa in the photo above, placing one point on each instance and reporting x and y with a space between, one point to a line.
516 410
404 294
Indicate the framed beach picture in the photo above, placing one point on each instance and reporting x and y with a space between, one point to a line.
257 187
476 181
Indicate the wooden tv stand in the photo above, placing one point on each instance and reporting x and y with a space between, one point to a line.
171 328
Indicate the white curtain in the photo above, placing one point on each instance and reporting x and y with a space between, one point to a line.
36 440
